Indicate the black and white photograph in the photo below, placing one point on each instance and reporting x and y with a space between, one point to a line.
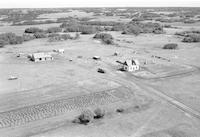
99 68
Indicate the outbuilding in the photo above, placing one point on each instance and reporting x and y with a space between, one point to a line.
61 51
41 56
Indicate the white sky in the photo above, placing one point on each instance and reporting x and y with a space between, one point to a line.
97 3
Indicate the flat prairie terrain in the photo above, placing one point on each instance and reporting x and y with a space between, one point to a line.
160 100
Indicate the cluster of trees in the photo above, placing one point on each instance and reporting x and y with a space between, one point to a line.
190 36
77 27
61 37
34 33
32 22
100 23
10 38
40 33
105 37
137 27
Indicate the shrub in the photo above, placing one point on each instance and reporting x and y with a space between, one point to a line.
101 70
59 37
105 37
119 27
99 113
85 117
33 30
87 29
120 110
38 35
54 30
66 36
3 43
53 35
137 27
77 36
16 40
192 38
10 38
77 27
131 29
27 37
170 46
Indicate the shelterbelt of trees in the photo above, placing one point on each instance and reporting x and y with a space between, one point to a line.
93 27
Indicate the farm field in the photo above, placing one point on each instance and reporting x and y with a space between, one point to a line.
42 99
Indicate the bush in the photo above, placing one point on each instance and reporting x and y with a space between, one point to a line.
87 29
192 38
38 35
101 70
16 40
137 27
99 113
66 36
131 29
10 38
77 36
119 27
85 117
77 27
3 43
59 37
170 46
54 30
53 35
27 37
105 37
33 30
120 110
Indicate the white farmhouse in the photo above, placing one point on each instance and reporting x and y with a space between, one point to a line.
37 57
131 65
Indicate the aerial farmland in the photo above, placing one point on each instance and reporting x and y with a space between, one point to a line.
100 72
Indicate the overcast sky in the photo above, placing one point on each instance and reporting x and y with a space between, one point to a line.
97 3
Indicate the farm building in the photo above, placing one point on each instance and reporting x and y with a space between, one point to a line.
131 65
36 57
61 51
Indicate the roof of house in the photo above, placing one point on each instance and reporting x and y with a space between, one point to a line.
131 62
41 55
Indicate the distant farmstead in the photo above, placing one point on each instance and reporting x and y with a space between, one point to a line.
37 57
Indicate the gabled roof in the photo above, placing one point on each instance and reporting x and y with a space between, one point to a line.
41 55
128 63
131 62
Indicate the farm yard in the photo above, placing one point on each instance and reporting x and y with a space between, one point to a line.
138 68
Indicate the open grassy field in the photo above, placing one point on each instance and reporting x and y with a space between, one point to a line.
159 100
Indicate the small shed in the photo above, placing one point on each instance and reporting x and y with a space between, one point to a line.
96 57
61 51
131 65
41 56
